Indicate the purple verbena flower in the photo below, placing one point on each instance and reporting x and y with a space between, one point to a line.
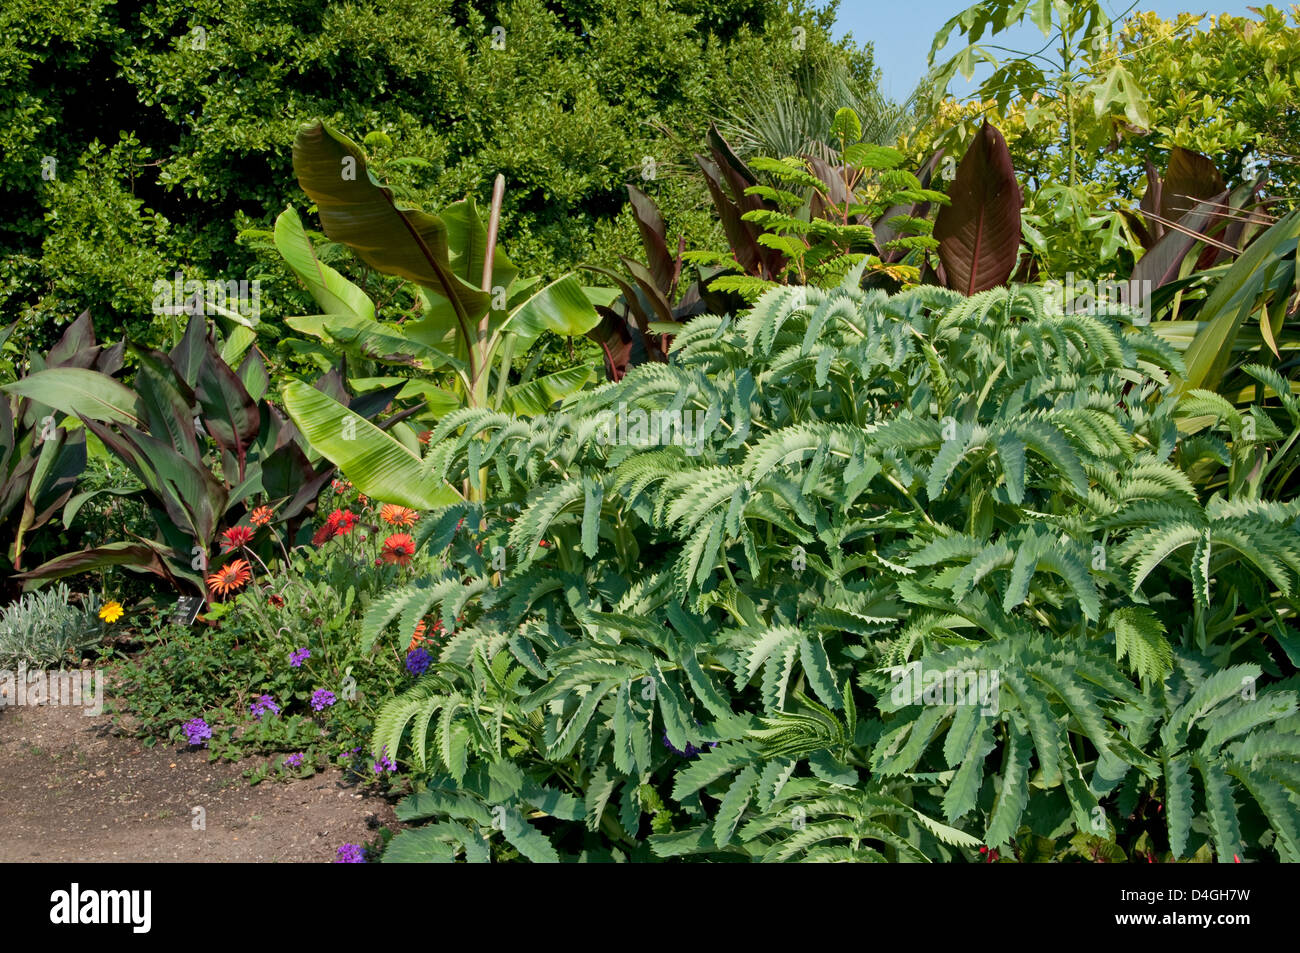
417 662
384 763
691 751
261 705
321 699
196 731
351 854
294 760
299 656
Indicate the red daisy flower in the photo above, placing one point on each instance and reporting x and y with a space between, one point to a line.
398 548
339 523
237 537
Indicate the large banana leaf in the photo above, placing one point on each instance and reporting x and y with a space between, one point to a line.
380 466
334 293
467 247
80 393
356 210
538 396
561 307
377 341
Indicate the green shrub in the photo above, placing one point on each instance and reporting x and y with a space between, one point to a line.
45 629
697 648
185 139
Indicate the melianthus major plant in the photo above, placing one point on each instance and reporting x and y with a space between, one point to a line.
703 648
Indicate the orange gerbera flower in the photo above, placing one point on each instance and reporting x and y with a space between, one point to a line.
398 548
236 537
424 436
230 577
260 516
395 515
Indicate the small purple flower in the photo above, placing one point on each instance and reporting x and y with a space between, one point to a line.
261 705
351 854
691 751
196 731
293 761
417 662
299 656
384 763
321 699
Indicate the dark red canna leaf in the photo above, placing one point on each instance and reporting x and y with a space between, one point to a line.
1152 202
654 238
1161 264
979 232
1191 178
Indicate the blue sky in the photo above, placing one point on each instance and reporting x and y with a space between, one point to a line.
902 30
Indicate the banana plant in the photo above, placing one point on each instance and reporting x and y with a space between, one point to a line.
187 407
476 313
43 450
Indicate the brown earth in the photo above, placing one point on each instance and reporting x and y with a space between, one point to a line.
72 789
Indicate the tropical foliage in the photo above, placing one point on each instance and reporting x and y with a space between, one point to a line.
697 650
187 407
906 482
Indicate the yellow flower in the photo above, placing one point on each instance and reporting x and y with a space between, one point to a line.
111 612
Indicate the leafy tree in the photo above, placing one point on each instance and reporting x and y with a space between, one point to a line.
169 126
1086 113
1060 106
1227 89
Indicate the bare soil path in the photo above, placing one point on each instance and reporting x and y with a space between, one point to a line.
73 790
